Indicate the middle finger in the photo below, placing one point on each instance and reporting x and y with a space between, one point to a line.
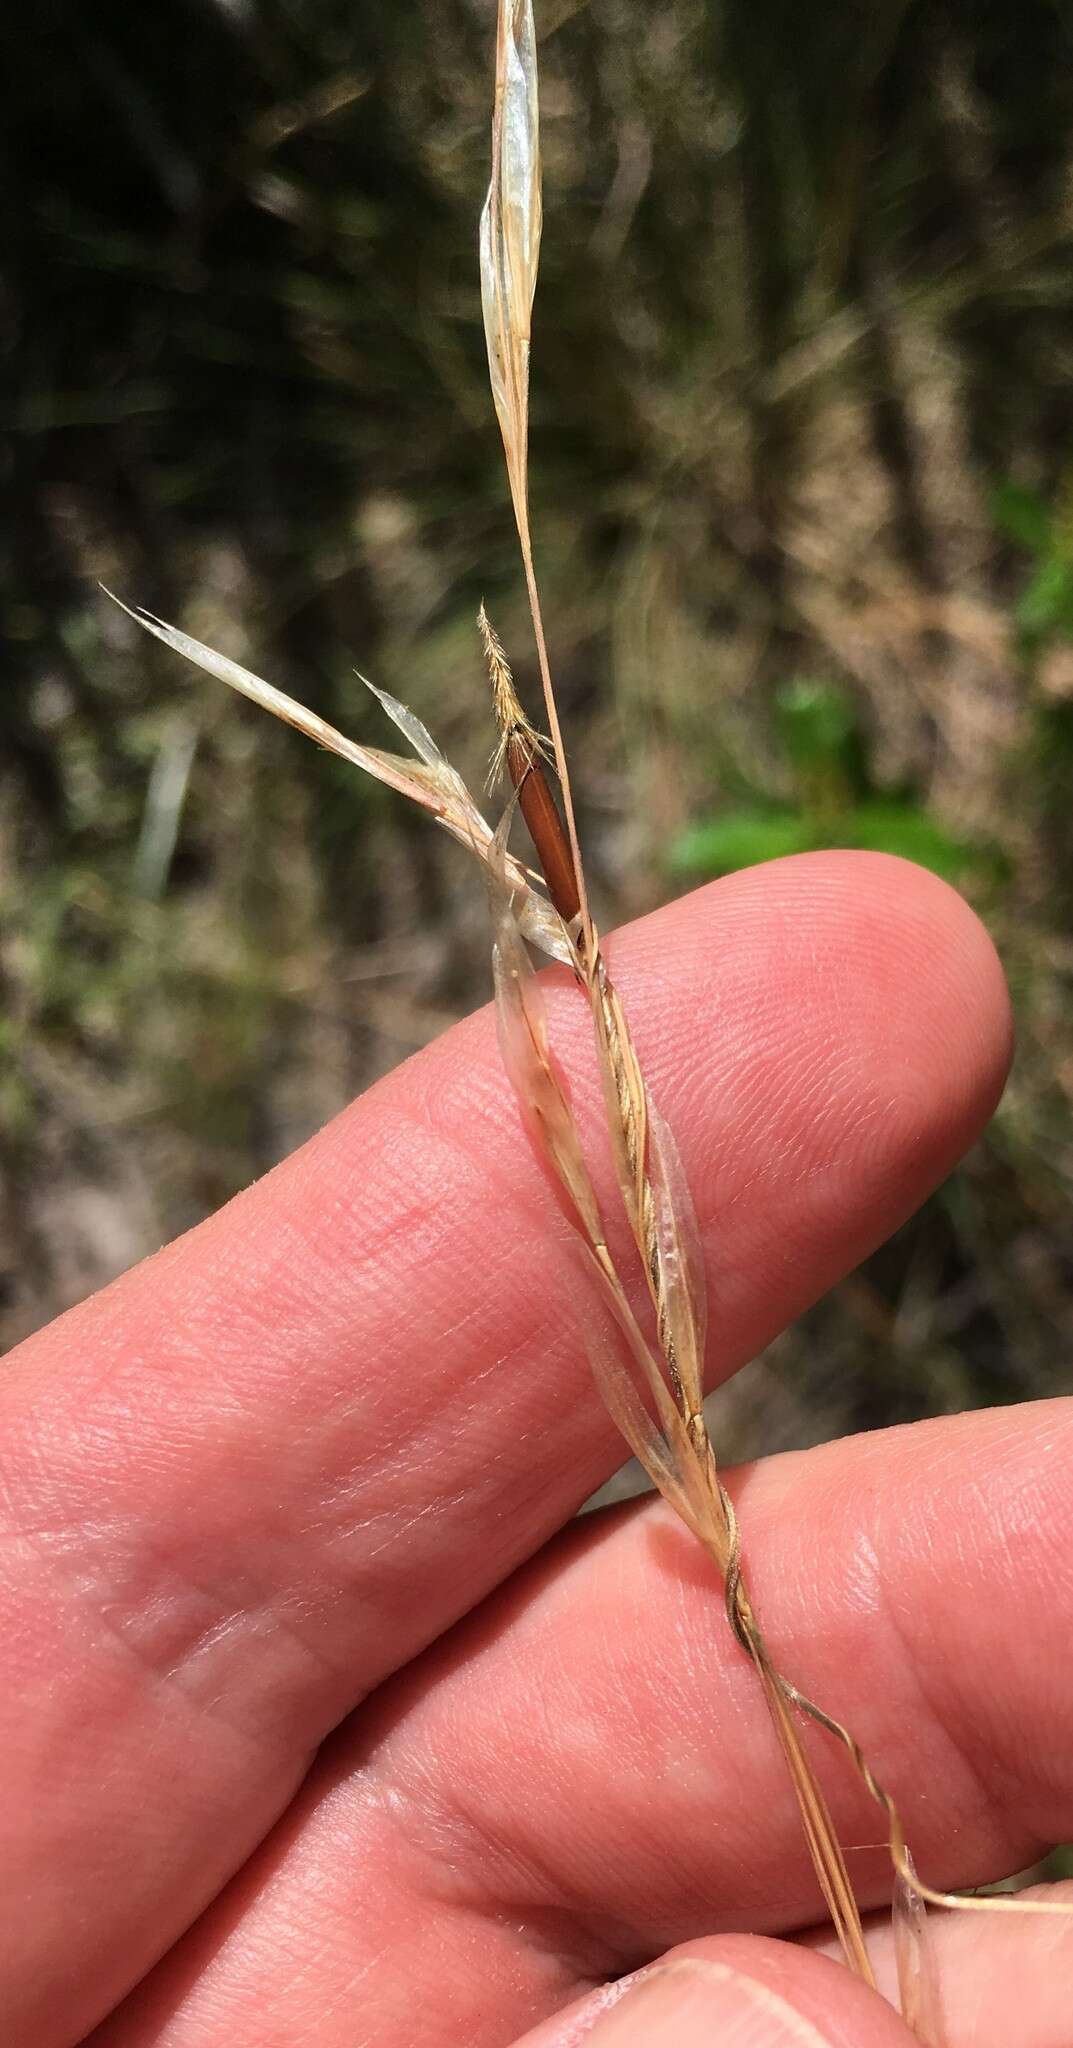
583 1775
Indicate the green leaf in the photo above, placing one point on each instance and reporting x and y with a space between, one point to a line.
1022 516
740 839
906 830
1046 605
817 722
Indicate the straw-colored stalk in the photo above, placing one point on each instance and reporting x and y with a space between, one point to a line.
653 1389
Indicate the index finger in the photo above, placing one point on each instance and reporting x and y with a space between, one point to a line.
255 1476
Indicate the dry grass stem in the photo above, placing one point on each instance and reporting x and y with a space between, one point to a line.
675 1447
511 226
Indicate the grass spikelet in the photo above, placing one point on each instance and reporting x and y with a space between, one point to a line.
517 735
506 706
523 1038
510 232
522 752
430 781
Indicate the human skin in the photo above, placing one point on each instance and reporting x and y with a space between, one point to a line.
322 1725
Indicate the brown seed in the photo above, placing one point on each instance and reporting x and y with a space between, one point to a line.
539 809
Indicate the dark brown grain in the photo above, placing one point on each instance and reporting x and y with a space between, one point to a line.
541 814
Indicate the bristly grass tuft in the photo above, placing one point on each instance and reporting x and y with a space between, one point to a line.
507 710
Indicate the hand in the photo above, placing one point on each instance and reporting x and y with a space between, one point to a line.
304 1471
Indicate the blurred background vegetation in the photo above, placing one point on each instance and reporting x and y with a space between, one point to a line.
803 486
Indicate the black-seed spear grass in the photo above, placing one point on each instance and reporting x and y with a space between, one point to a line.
652 1388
